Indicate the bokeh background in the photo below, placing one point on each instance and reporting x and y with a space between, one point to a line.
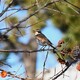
60 20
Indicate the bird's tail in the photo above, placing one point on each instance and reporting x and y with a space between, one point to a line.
53 47
55 50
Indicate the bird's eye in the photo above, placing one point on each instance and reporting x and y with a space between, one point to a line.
39 31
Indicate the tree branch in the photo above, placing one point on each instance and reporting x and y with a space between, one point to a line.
28 51
6 8
23 20
61 72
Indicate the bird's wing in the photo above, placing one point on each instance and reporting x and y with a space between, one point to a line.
45 39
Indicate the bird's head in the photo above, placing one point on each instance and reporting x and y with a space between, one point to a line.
37 31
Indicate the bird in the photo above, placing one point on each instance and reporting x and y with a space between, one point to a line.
43 39
46 42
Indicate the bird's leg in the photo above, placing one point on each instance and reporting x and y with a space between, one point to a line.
43 47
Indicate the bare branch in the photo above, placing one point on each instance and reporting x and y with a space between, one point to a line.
8 16
18 11
44 65
72 4
9 5
23 20
28 51
33 5
13 75
61 72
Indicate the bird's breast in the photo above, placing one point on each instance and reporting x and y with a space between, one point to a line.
40 39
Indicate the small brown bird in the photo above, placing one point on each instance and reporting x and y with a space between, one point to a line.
43 39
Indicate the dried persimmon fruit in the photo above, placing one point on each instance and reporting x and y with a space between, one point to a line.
3 74
78 66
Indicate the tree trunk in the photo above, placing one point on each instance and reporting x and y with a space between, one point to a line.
30 59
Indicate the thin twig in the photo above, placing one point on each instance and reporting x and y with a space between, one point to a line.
74 10
9 15
72 4
61 72
28 51
44 65
58 11
33 5
13 75
9 5
18 11
23 20
2 63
